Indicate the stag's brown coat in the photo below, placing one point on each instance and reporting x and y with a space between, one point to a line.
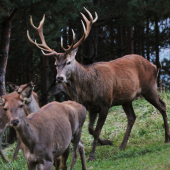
102 85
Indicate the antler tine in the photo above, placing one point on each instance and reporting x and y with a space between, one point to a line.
70 47
42 46
88 24
91 17
39 29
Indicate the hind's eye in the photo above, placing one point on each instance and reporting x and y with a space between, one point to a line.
68 63
5 109
21 106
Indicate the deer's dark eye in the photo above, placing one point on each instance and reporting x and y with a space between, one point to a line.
5 109
21 106
68 63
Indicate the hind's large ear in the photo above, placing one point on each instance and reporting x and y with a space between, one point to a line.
34 81
2 101
13 86
26 92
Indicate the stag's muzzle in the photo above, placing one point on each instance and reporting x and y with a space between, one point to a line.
59 79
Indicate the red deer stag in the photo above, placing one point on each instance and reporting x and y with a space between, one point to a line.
102 85
31 105
46 135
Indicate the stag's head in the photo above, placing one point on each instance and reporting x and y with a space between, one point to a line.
65 62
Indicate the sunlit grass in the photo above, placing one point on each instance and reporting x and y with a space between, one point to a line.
145 149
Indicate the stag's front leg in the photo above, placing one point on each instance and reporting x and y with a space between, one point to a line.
92 117
102 117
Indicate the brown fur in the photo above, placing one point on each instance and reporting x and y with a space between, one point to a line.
102 85
4 120
46 134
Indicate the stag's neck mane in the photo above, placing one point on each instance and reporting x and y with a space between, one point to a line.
26 133
81 81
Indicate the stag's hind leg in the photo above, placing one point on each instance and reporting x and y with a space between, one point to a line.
153 98
128 108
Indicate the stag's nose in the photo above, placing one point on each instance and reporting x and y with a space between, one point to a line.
59 79
15 122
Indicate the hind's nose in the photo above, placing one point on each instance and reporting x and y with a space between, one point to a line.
15 122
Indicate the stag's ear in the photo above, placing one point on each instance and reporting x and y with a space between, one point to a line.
13 86
34 81
26 92
2 101
73 53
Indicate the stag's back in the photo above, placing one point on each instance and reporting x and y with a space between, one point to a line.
112 83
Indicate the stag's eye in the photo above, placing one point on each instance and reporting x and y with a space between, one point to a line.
68 63
5 109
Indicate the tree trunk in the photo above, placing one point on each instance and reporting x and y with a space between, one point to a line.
142 42
130 40
147 42
157 48
4 50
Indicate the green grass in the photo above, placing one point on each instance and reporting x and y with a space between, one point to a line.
145 149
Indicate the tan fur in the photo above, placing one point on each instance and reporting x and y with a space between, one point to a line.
46 134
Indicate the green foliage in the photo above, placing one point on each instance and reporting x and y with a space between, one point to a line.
145 149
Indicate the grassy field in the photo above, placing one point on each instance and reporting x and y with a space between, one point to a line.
145 150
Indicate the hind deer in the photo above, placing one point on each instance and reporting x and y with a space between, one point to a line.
31 105
46 135
101 85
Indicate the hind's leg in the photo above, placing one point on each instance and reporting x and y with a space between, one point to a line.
131 120
16 150
64 158
152 97
82 154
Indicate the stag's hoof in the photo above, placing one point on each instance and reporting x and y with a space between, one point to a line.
104 142
91 158
122 147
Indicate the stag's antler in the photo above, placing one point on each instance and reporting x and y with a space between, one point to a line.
73 46
86 31
43 46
